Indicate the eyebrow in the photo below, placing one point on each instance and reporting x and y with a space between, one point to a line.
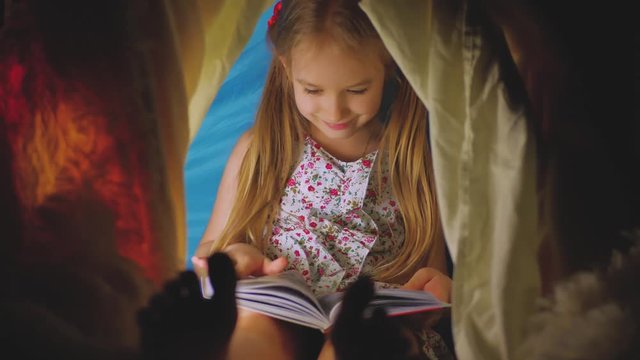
361 83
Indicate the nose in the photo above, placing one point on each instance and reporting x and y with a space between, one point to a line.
335 109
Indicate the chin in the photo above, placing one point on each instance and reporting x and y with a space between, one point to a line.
343 135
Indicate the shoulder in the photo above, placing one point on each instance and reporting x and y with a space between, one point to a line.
241 147
244 141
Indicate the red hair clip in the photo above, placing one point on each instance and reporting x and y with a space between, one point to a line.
276 13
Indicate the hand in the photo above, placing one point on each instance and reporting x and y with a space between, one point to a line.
248 260
355 337
179 323
433 281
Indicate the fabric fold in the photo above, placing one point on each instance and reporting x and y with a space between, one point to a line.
484 164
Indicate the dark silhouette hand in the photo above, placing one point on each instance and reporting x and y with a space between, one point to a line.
178 323
356 337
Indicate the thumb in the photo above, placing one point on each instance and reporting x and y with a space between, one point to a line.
438 287
420 279
272 267
200 265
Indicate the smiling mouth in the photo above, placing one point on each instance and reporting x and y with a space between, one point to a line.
337 126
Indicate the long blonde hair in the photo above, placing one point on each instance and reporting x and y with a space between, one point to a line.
279 129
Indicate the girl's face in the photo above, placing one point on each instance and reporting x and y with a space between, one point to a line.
337 90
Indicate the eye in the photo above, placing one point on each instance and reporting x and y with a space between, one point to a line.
358 91
311 91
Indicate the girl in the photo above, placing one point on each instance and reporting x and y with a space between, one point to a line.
334 178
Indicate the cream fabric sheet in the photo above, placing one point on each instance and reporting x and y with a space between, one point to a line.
483 155
484 163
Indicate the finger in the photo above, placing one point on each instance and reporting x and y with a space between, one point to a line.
199 265
223 277
356 298
440 287
349 327
272 267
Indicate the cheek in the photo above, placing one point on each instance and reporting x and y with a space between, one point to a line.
305 104
368 104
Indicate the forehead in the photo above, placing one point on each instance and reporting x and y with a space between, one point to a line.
322 61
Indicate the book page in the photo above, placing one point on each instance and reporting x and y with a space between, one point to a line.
284 296
287 297
395 301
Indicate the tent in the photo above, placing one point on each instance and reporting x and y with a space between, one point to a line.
482 324
137 87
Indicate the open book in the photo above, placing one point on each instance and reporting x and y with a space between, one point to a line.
287 297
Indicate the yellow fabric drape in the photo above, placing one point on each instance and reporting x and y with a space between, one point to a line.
193 45
484 164
209 36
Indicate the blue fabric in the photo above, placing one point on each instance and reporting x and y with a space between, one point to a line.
232 112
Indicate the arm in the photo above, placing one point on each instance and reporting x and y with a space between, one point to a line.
225 196
223 204
247 259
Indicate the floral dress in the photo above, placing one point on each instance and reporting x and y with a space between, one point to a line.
333 225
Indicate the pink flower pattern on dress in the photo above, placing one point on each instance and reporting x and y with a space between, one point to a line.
333 224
